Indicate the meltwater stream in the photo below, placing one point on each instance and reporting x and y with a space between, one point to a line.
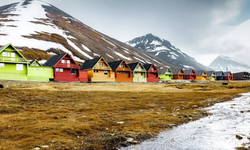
215 132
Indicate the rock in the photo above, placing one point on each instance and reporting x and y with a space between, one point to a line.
120 122
130 140
37 148
171 125
45 146
239 137
241 111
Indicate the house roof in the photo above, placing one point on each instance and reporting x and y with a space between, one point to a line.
188 71
89 64
54 60
175 71
219 73
147 66
199 72
209 73
115 64
163 70
4 47
227 74
31 62
133 65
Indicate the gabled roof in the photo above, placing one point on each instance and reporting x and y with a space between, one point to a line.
89 64
33 61
147 66
133 65
4 47
188 71
164 70
209 73
175 71
199 72
219 73
227 74
115 64
54 60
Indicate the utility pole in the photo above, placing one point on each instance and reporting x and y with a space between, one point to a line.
227 75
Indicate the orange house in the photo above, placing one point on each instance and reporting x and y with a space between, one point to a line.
98 70
122 71
178 74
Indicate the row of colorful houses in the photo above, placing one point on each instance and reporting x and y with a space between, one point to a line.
63 68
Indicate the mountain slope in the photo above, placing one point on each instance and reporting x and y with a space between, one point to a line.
224 63
37 26
166 51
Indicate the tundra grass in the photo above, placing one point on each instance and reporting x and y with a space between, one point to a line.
101 116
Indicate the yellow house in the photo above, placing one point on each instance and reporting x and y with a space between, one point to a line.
98 70
201 75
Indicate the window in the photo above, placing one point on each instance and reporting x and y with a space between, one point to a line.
4 54
118 72
63 61
105 72
13 55
68 61
95 71
122 66
2 65
126 73
61 69
37 68
57 69
100 64
19 67
142 74
152 68
72 71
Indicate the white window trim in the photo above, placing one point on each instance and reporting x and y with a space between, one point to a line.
19 67
2 65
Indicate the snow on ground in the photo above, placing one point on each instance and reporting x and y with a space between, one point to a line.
109 56
109 42
216 132
119 54
42 61
86 48
139 59
51 53
173 53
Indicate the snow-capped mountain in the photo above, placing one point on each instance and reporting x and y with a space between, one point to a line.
166 51
224 63
37 27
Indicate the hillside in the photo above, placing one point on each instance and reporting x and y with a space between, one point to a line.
52 31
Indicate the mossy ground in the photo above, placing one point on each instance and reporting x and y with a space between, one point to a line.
101 116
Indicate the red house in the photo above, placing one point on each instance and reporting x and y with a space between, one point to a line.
152 73
189 74
228 76
66 69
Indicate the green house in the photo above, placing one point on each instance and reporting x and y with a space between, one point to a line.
13 66
37 72
211 76
165 74
139 72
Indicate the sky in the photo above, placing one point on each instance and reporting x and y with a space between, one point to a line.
197 27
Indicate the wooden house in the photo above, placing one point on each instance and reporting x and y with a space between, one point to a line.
219 75
241 76
165 74
13 65
98 70
37 72
201 75
139 72
152 73
64 67
189 74
228 76
178 74
122 71
211 76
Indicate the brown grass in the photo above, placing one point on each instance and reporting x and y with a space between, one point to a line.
85 116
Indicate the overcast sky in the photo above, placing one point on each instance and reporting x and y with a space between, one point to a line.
194 26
